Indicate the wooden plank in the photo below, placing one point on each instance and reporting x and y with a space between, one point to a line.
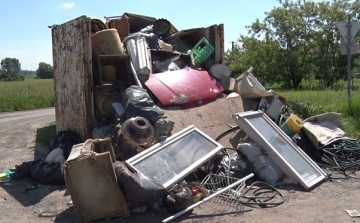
73 76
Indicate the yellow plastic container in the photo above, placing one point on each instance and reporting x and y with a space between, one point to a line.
106 42
292 125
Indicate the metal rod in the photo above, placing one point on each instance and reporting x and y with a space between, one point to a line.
207 198
348 50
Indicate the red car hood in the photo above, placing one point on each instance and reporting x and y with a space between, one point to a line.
188 87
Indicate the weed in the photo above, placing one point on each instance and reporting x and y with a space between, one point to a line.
43 136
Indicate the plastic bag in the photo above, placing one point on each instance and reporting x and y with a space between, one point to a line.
236 166
137 102
250 150
138 189
40 171
47 174
65 140
264 167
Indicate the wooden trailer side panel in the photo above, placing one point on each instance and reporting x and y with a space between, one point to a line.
72 67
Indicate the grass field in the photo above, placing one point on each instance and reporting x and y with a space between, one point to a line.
37 93
25 95
317 102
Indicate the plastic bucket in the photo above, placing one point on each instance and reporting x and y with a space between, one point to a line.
292 125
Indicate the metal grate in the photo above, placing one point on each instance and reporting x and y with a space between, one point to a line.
227 201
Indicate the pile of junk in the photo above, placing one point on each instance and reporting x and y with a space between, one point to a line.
139 159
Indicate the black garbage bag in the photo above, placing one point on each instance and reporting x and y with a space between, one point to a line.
137 102
65 140
23 171
49 174
137 188
236 166
40 171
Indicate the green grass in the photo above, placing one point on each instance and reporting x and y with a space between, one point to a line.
44 134
25 95
317 102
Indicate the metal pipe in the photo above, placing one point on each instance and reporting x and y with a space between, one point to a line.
348 50
207 198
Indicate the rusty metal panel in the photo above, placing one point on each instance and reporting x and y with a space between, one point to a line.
73 76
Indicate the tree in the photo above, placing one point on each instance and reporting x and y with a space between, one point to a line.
10 70
45 71
298 40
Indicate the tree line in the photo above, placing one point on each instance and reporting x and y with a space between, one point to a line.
10 70
296 41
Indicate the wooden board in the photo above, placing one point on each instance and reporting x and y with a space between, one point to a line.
73 76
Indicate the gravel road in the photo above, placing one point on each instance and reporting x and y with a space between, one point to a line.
326 203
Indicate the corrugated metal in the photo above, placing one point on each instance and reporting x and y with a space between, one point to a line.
137 22
73 76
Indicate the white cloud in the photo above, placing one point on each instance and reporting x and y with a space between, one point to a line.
68 5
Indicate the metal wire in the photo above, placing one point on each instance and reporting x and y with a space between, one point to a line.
343 156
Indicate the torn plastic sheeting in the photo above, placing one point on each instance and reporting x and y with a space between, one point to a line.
322 129
188 87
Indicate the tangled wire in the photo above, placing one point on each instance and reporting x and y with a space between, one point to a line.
342 155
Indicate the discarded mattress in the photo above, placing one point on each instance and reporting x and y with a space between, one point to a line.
188 87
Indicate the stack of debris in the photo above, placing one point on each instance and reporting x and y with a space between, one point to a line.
134 161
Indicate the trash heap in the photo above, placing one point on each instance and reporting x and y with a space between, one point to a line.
135 163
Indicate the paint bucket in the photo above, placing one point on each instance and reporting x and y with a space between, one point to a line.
292 125
106 42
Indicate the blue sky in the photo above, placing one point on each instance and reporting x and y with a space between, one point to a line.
24 32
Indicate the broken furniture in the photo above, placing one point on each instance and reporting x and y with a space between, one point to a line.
171 160
91 181
120 23
294 162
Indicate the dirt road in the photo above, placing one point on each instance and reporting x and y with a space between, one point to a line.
326 203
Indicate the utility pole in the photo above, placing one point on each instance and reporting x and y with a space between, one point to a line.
232 45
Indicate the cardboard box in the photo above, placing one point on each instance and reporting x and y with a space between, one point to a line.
91 181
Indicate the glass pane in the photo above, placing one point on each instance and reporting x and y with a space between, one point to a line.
170 161
302 167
